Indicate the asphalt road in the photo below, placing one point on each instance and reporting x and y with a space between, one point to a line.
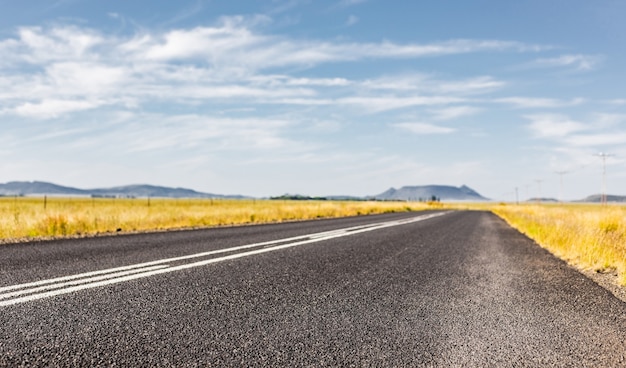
459 289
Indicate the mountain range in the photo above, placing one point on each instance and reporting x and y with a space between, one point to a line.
128 191
597 198
406 193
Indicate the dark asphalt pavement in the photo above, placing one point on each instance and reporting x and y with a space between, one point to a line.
462 289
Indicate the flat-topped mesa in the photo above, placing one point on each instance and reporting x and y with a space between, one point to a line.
429 192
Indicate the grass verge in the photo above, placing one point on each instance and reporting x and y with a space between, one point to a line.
591 237
29 218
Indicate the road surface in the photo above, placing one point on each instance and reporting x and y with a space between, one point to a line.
410 289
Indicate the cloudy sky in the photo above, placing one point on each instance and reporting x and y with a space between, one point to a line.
315 97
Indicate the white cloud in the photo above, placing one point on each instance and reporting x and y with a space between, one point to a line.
608 120
73 69
52 108
424 128
578 62
234 42
597 140
454 112
603 130
428 84
154 132
285 80
85 78
386 103
38 45
373 104
115 134
532 102
554 126
470 86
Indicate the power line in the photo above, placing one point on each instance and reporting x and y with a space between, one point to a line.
561 173
603 156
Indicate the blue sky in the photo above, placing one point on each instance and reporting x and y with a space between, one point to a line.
315 97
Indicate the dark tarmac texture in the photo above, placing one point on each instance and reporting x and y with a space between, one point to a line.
460 290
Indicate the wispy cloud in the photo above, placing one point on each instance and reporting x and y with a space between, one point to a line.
352 20
532 102
348 3
58 69
53 108
601 130
621 101
597 140
424 128
188 12
606 120
454 112
386 103
551 126
430 84
577 62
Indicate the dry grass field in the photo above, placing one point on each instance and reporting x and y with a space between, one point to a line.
586 235
30 218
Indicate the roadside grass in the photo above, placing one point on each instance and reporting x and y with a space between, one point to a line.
29 218
589 236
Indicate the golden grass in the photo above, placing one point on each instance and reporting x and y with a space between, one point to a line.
26 218
586 235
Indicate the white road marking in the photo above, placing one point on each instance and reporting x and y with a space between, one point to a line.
65 285
181 258
78 282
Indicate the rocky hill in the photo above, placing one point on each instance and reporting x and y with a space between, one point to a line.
597 198
429 192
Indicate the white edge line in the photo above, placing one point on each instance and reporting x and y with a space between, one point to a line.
209 261
77 282
174 259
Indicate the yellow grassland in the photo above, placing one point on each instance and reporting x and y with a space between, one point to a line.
25 218
589 236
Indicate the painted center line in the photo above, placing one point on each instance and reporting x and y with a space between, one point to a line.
15 294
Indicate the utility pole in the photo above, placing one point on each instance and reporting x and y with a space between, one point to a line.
603 156
561 173
516 196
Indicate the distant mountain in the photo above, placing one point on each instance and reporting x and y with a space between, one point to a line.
129 191
543 200
155 191
597 198
297 197
427 192
300 197
38 187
